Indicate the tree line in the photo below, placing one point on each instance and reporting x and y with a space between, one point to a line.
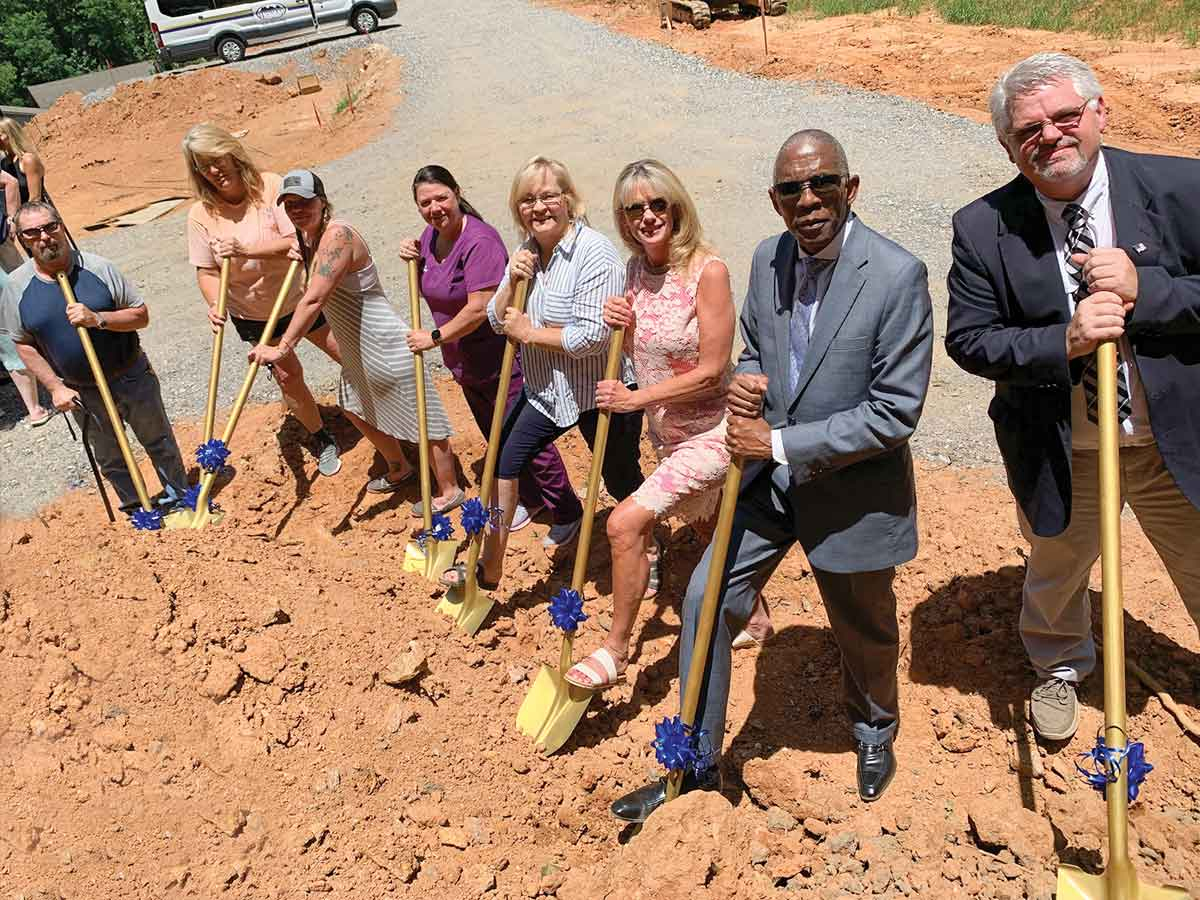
42 41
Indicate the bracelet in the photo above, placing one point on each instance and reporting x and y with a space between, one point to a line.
286 345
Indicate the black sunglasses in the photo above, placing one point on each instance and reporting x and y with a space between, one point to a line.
32 234
821 185
634 211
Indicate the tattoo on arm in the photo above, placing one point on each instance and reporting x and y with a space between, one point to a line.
340 244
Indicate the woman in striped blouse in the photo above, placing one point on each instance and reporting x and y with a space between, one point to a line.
572 269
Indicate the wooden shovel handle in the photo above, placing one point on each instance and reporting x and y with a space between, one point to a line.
414 311
214 369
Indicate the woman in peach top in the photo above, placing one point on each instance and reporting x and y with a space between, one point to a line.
235 217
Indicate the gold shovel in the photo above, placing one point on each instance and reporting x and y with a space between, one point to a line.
151 520
553 706
214 369
465 603
203 514
708 609
436 556
1119 881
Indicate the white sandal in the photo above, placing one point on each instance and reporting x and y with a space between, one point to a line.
583 677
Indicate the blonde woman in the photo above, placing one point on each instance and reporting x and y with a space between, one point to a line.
236 217
20 160
679 319
571 269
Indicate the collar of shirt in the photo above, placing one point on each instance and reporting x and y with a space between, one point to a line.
565 246
1093 195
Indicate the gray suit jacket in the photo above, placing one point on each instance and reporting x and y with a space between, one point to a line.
849 476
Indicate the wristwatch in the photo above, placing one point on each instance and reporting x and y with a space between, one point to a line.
100 323
436 334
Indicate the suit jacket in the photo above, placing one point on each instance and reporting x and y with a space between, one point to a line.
846 428
1008 318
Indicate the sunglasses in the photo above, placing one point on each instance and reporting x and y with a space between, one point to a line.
635 211
821 185
36 231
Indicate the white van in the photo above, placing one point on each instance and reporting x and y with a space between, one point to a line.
190 29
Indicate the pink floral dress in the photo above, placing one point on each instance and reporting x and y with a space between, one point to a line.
689 436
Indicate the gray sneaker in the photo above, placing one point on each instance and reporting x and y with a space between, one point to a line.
1054 709
329 462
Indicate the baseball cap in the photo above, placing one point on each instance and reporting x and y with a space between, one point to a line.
301 183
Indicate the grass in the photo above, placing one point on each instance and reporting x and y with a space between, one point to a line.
1147 19
345 103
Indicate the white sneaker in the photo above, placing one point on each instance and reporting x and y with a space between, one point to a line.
523 516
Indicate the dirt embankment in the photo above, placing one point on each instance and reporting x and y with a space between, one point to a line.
1153 88
124 151
225 713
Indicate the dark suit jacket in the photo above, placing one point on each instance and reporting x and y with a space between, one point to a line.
1008 319
860 394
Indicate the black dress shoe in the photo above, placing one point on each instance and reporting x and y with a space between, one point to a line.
636 806
876 766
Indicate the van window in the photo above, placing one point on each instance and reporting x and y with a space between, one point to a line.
184 7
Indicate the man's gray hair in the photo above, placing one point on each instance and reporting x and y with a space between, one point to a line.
33 206
1035 72
815 137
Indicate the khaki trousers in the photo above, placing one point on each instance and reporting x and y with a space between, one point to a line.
1055 612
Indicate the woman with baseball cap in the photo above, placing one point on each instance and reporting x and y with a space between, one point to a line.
378 389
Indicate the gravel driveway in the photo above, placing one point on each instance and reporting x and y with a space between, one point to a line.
485 92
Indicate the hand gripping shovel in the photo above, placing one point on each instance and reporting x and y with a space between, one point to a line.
1119 881
204 514
147 518
431 557
553 707
465 603
708 611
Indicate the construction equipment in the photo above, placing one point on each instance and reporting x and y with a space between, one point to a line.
431 557
214 369
699 14
465 603
204 515
553 706
147 518
708 610
1119 880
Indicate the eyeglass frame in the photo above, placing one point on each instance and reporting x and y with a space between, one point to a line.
795 189
548 199
635 211
50 228
1036 129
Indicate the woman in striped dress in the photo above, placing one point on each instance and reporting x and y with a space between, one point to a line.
571 269
378 387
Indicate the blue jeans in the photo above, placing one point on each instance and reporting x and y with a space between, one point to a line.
139 401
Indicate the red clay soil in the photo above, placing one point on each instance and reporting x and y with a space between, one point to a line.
1152 87
143 122
209 713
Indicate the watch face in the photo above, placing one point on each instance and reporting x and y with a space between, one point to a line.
436 334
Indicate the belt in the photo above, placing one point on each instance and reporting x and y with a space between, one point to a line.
109 376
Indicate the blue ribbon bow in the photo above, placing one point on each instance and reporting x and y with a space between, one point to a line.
1105 766
474 516
566 609
441 529
147 520
192 496
211 455
677 746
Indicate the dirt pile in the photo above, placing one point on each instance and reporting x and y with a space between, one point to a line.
141 124
1153 88
273 708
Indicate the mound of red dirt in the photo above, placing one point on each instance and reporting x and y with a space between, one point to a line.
272 708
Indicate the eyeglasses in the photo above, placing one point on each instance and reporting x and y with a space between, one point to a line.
1063 121
549 198
34 232
821 185
635 211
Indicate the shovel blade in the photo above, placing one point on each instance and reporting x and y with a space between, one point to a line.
414 559
551 710
181 518
200 518
467 609
439 558
1076 884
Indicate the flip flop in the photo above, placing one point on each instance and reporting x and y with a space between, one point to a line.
581 676
460 571
38 423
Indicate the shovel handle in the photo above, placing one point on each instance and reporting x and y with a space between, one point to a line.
268 332
214 369
110 407
708 608
414 312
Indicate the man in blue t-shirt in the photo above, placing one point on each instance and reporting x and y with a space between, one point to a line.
33 314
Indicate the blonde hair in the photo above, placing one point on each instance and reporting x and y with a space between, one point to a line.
576 208
210 141
17 145
687 237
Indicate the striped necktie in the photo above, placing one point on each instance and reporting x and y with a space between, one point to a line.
1081 239
807 270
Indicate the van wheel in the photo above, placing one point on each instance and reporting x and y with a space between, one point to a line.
231 49
365 21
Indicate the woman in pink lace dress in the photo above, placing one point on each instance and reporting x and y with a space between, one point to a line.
678 317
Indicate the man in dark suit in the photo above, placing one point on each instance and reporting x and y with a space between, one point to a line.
1087 244
838 328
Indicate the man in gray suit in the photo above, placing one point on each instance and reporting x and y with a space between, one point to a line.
839 339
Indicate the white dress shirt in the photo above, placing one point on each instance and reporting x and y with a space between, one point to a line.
1096 199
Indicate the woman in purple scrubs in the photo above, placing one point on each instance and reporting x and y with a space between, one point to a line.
462 259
